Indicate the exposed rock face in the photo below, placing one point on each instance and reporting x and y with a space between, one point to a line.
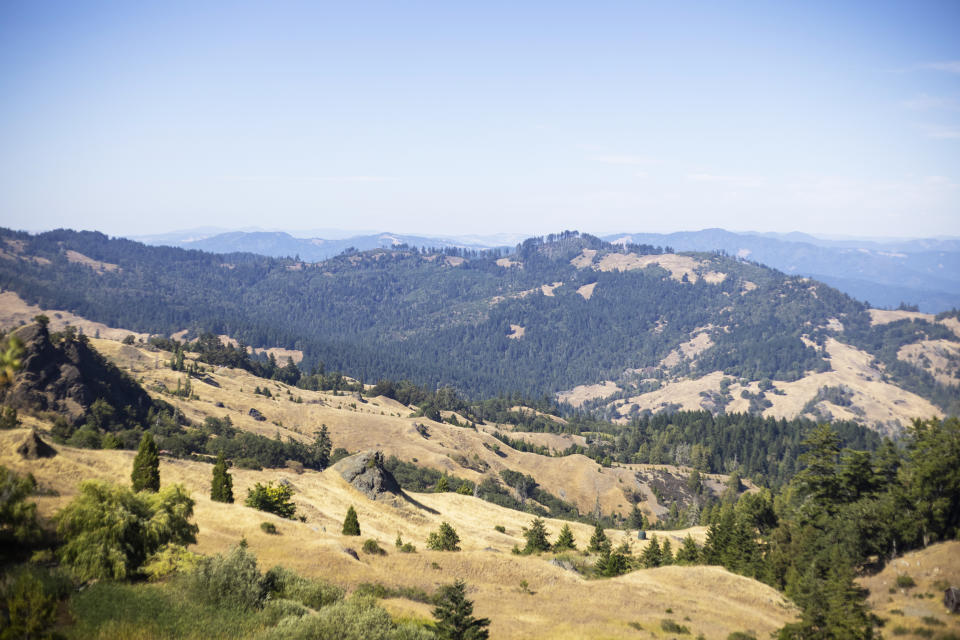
68 377
33 447
366 473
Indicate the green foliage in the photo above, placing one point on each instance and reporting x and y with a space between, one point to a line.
221 489
351 525
170 559
269 528
358 618
272 499
565 541
536 537
688 553
741 635
109 531
454 615
598 541
636 520
444 539
500 528
443 485
28 603
311 592
652 555
905 582
613 562
372 547
9 418
146 466
931 479
670 626
18 517
231 581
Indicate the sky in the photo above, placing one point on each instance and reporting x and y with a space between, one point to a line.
132 118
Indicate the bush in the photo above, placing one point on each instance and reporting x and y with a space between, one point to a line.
109 531
358 618
351 525
372 547
500 528
670 626
29 602
169 560
905 582
741 635
18 518
276 609
444 539
231 580
310 592
269 527
272 499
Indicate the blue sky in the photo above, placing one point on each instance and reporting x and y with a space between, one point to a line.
447 118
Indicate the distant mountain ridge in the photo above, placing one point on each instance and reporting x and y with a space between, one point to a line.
924 272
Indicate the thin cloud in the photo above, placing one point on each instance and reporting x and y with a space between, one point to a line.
939 132
949 66
623 159
729 180
925 102
339 179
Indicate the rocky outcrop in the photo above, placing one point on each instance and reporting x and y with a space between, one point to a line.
366 473
33 447
66 376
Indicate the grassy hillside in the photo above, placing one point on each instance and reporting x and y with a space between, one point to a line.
556 313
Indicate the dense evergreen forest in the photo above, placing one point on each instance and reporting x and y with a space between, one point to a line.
443 318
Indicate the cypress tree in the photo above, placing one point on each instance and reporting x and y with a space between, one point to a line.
222 488
146 466
351 525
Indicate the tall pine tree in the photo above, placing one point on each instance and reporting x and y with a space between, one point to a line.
351 525
146 466
454 614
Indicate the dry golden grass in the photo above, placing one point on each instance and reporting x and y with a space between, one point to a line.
587 290
14 311
516 332
582 393
96 265
932 569
707 599
940 358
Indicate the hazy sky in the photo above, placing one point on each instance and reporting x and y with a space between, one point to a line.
456 117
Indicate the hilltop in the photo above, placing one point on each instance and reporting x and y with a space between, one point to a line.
569 316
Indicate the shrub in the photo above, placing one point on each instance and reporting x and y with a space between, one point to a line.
373 548
310 592
272 499
9 418
169 560
444 539
741 635
358 618
351 525
109 531
29 601
269 527
670 626
231 580
905 582
276 609
500 528
18 518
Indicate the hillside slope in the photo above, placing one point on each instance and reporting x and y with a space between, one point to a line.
554 315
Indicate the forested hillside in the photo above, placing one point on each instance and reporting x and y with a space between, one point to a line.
557 312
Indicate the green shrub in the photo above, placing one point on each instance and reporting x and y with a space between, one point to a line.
408 548
109 531
310 592
500 528
272 499
444 539
741 635
29 602
18 518
905 582
351 524
276 609
900 631
169 560
670 626
381 591
232 580
372 547
269 527
932 621
358 618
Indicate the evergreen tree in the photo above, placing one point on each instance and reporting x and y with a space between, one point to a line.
694 482
444 539
443 485
351 525
688 553
651 556
536 537
454 614
321 448
222 487
598 541
636 520
565 540
146 466
666 553
613 562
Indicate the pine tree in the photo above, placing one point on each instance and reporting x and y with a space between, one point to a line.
688 553
351 525
666 553
443 484
536 537
444 539
651 556
565 540
636 520
146 466
222 487
322 446
454 614
598 541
